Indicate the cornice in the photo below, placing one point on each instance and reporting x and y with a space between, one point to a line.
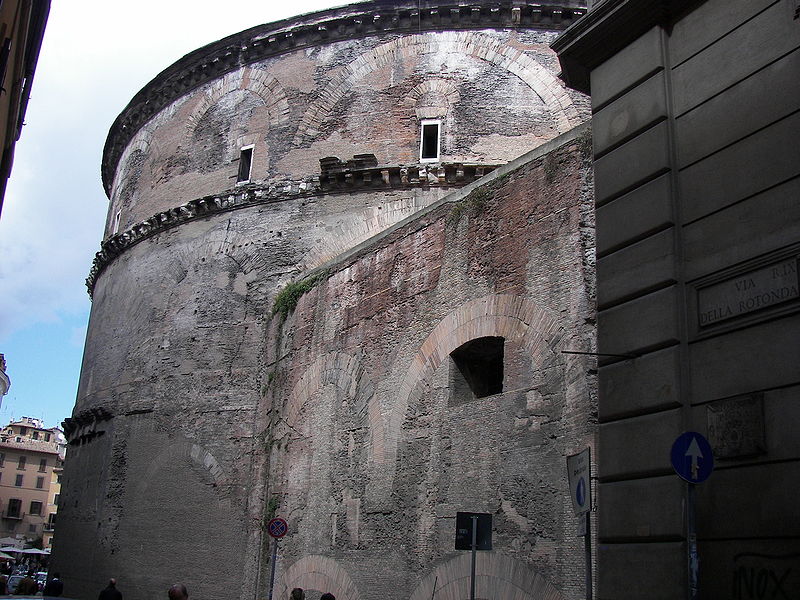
330 182
350 22
608 27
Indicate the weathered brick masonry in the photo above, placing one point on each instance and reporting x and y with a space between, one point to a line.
374 450
201 413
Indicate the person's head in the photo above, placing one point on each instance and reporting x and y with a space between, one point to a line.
112 582
56 575
297 594
327 596
178 592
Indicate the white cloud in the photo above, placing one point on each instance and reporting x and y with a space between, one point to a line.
96 55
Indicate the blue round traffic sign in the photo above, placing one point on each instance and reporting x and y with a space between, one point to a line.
277 527
580 492
692 457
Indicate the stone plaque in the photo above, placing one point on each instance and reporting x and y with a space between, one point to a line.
736 426
747 293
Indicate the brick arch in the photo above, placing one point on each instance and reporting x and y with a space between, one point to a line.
359 227
505 315
345 372
537 77
444 92
256 81
497 577
141 142
319 573
199 456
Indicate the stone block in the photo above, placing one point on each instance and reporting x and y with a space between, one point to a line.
626 68
770 156
655 571
638 446
624 117
740 362
766 96
641 508
727 506
645 265
630 217
643 323
632 164
768 36
756 226
778 437
709 21
749 568
644 384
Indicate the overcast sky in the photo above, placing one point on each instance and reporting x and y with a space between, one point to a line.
96 55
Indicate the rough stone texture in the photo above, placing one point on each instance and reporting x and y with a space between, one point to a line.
374 450
348 418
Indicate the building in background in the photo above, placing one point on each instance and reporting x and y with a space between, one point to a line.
22 25
31 461
696 122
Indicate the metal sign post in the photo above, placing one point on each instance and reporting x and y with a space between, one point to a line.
579 473
474 556
473 532
277 528
272 566
693 460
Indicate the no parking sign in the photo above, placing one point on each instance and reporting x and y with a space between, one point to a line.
580 483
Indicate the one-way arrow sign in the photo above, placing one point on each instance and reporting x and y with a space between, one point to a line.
692 457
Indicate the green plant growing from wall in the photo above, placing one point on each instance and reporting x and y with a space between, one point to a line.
271 511
287 299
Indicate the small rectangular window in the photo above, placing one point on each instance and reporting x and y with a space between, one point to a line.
39 483
429 142
14 507
2 458
36 508
245 165
21 463
35 435
46 437
117 218
18 481
23 431
42 465
55 499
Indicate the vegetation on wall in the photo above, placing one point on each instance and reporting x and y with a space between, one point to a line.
287 299
475 202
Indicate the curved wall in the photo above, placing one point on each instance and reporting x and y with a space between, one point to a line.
199 413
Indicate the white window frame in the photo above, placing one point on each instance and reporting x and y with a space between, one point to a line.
422 125
250 147
117 219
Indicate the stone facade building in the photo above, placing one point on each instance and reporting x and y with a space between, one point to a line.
31 464
695 122
344 257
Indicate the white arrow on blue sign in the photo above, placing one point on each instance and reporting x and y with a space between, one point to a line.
692 457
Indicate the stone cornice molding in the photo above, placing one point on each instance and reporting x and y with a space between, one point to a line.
608 27
350 22
339 181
